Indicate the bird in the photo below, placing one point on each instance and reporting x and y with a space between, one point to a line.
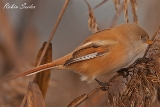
102 53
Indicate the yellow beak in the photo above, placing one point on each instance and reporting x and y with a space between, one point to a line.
149 42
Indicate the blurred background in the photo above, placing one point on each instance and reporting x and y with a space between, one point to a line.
23 31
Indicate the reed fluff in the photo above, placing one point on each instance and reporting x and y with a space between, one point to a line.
142 85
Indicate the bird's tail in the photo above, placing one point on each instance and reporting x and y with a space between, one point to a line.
57 64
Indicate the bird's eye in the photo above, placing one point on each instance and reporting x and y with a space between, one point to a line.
142 37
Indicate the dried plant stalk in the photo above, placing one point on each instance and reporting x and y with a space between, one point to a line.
54 30
134 6
153 39
141 86
126 2
116 4
100 4
93 26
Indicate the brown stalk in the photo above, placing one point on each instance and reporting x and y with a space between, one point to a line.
54 30
116 3
125 5
134 5
153 40
126 2
100 4
92 24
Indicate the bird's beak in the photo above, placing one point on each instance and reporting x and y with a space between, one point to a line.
149 42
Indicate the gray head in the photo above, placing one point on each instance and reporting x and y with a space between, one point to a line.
134 32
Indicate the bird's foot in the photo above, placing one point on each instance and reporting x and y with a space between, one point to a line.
124 72
104 86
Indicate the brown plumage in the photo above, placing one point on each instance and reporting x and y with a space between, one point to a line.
102 53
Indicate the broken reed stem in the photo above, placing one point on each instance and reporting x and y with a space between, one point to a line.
54 30
153 39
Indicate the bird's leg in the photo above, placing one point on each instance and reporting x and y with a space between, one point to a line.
124 72
104 86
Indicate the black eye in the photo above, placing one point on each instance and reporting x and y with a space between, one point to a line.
142 37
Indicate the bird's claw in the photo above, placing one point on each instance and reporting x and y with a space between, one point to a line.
104 86
124 72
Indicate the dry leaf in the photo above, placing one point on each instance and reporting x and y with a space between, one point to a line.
34 96
42 78
82 98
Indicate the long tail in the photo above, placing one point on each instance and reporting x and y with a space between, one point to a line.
57 64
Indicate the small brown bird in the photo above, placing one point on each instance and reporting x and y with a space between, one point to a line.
102 53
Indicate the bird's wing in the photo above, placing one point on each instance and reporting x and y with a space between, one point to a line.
90 50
